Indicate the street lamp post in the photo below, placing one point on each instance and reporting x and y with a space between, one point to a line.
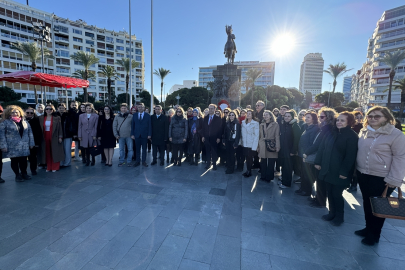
151 54
130 57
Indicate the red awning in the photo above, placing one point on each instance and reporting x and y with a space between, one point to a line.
43 79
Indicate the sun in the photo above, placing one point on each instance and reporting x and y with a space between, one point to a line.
283 44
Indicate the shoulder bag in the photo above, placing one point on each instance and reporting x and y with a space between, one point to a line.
390 207
118 130
270 143
311 158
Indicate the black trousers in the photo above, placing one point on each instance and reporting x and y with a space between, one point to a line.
372 186
222 153
168 150
256 160
320 190
297 166
267 168
175 151
211 148
19 164
203 152
230 156
249 155
149 145
354 181
240 157
286 170
309 174
278 164
33 159
335 199
158 148
86 152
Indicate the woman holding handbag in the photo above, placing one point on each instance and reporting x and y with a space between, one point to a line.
232 133
269 145
87 132
380 163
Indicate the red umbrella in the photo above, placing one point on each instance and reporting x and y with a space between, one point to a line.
44 79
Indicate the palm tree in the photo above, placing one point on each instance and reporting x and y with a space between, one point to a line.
80 74
247 84
87 60
253 74
33 51
392 59
124 62
110 73
336 71
400 85
161 73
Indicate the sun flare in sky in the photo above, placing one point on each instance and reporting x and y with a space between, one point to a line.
283 44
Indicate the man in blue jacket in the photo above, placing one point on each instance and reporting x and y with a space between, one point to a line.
141 131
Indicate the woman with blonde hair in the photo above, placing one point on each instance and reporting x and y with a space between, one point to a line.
16 140
250 140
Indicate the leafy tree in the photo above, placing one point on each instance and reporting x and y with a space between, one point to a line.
7 94
122 98
87 60
247 84
34 53
23 105
392 59
145 98
352 104
297 99
125 63
80 74
161 73
255 93
400 85
80 98
336 71
308 99
99 105
110 73
253 74
194 97
336 99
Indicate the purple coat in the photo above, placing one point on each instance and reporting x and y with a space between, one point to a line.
87 129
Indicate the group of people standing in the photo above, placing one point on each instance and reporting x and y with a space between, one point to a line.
328 151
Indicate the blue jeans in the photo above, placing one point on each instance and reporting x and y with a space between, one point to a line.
128 141
67 146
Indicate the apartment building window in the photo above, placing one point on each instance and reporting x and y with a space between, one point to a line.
77 31
78 63
120 89
120 41
103 60
120 55
127 49
121 48
138 51
138 58
89 42
87 34
76 47
62 53
62 70
78 39
109 39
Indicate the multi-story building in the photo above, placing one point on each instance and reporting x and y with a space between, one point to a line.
266 79
346 89
311 74
186 84
67 38
388 36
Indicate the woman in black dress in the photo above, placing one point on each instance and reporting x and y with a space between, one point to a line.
105 134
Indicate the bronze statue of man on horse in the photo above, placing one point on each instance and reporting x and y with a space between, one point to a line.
230 46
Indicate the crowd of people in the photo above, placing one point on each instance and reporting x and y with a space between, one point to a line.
327 151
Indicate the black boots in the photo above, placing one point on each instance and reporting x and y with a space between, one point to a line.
18 178
328 217
247 174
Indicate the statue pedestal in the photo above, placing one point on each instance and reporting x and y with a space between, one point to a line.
227 84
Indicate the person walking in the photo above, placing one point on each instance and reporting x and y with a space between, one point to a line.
33 120
335 161
52 152
105 134
380 163
87 132
178 135
16 140
160 135
269 130
290 134
211 136
250 140
195 125
141 132
122 132
232 136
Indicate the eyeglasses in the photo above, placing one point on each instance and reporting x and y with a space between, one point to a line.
376 116
322 116
258 105
29 113
226 112
178 112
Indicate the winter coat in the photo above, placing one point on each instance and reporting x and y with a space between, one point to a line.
71 124
357 127
160 129
194 139
272 132
325 131
178 129
87 129
382 153
250 134
259 115
122 125
11 139
232 129
213 130
337 156
307 139
290 134
58 152
36 129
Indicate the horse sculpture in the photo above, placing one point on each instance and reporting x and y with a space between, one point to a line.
230 46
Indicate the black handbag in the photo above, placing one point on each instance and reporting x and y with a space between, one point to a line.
270 143
390 207
96 149
311 158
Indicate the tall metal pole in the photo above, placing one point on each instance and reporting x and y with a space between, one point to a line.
151 56
43 69
130 57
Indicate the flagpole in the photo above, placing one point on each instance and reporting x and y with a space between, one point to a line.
151 56
130 57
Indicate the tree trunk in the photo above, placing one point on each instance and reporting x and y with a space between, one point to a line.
161 92
401 109
252 96
109 91
85 95
334 85
392 75
127 83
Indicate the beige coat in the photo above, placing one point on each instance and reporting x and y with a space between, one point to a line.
382 153
58 153
272 132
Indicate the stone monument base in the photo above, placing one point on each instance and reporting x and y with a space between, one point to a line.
227 85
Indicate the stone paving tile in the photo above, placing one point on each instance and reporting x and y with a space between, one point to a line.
136 258
43 260
226 253
255 260
189 264
202 243
19 238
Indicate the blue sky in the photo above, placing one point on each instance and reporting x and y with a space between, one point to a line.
191 33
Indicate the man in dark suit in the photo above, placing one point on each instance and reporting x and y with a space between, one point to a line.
160 134
212 134
141 131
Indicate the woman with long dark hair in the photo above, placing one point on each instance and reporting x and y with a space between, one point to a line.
105 134
178 135
87 132
232 135
250 140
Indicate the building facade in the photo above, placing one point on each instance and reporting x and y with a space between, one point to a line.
346 89
311 74
266 79
186 84
67 38
388 36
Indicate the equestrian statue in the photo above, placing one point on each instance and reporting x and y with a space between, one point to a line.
230 46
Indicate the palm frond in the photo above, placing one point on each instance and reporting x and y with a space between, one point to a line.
32 50
337 70
86 58
109 72
392 59
81 74
161 73
254 74
124 62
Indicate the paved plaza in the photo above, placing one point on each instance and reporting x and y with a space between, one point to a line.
177 218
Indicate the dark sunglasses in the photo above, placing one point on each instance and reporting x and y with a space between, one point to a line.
48 109
376 116
302 114
322 116
29 113
226 112
179 112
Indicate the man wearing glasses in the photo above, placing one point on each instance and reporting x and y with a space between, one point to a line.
259 110
33 120
301 117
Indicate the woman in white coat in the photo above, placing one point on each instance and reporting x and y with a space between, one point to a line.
250 140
